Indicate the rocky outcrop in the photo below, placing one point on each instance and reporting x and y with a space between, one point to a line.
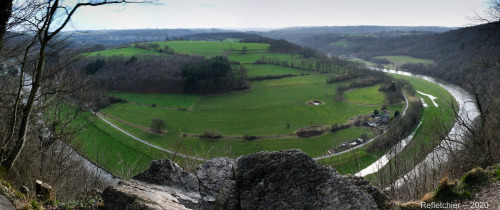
292 180
379 196
167 173
135 195
267 180
212 176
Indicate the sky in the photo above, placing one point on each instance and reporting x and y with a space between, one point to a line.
270 14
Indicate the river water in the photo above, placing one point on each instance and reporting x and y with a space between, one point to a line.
468 112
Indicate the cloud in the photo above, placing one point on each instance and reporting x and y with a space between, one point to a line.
208 5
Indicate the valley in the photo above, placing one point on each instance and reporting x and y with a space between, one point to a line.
262 118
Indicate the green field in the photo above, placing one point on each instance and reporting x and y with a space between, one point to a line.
159 99
262 110
367 95
112 149
117 152
422 142
315 146
125 51
353 161
397 61
233 50
210 49
234 40
402 59
267 69
342 42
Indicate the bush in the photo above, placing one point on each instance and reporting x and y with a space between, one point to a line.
310 131
474 177
210 135
259 78
337 127
496 172
446 191
107 100
249 138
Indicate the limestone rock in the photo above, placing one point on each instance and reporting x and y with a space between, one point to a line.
267 180
227 197
377 195
133 195
212 175
292 180
167 173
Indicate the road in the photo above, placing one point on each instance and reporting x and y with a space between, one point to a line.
361 145
468 111
147 143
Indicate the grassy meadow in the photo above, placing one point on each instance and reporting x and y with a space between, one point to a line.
397 61
422 142
125 51
367 95
402 59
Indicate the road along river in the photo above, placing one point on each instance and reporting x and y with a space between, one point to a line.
468 111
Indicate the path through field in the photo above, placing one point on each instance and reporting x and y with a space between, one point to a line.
147 143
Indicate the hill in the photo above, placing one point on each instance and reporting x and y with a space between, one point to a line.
456 54
295 34
116 37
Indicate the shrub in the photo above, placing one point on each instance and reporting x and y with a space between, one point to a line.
310 131
210 135
337 127
446 191
496 172
474 177
249 138
266 77
104 101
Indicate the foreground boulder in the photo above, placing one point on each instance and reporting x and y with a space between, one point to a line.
213 175
379 196
167 173
134 195
267 180
292 180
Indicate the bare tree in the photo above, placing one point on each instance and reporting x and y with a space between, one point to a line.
5 13
41 27
158 125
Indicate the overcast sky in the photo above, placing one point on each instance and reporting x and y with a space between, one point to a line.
278 14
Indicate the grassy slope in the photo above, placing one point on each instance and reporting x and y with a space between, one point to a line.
366 95
125 51
342 42
397 61
210 49
351 162
263 110
232 147
402 59
267 69
159 99
112 149
346 162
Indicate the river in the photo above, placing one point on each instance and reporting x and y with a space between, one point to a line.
468 112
